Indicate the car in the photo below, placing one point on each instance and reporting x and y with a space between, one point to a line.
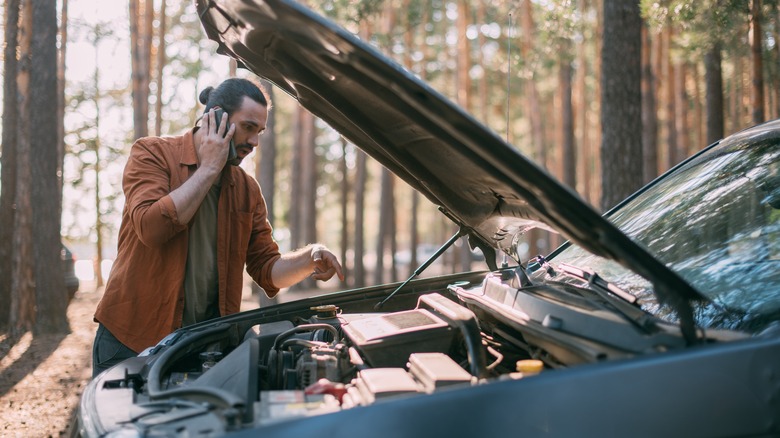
660 318
69 270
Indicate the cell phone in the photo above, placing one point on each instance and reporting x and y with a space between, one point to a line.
232 155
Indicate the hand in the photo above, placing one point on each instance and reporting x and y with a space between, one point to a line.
325 264
215 139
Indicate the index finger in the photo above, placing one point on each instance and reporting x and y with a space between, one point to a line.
337 266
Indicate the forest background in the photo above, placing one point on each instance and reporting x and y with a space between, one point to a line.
604 94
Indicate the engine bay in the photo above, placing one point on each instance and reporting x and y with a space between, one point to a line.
262 368
335 360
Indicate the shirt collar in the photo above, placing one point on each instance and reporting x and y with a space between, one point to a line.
189 157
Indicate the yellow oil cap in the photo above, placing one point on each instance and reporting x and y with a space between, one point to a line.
529 367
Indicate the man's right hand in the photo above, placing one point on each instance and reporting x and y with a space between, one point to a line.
214 141
212 150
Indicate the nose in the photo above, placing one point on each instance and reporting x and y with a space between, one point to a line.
254 140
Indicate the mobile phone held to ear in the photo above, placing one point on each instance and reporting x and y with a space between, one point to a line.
232 156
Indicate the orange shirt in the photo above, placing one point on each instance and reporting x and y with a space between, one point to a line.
144 297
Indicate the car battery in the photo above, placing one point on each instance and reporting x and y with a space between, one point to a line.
387 340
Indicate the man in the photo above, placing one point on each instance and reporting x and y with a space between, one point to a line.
190 224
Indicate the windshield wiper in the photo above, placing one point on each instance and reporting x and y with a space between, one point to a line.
620 300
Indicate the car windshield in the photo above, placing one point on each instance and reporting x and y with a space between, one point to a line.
716 222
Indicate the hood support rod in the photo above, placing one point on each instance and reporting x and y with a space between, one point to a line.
461 232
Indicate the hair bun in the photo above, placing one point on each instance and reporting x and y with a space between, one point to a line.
204 95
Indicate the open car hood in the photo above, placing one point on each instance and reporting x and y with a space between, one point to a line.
484 185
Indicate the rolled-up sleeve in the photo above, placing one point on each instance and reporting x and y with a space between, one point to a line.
147 182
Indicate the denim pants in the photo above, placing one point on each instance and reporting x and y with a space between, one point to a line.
107 351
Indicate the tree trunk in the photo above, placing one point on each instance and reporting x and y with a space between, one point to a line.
50 294
344 238
621 112
265 174
308 199
295 213
583 115
681 119
757 62
360 201
569 151
532 93
61 57
139 67
713 77
671 109
776 51
98 215
698 112
161 60
385 213
22 317
649 113
8 158
596 154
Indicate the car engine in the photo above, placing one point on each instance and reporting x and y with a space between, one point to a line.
333 361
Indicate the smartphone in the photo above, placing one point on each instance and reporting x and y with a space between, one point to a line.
232 155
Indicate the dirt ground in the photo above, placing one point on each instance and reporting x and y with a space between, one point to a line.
42 378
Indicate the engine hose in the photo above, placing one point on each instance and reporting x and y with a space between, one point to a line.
305 328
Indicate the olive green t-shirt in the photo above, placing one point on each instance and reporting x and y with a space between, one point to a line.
200 277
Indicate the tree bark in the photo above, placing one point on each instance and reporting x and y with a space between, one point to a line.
360 201
697 116
308 199
385 223
757 62
583 115
345 189
671 108
265 174
295 213
681 119
61 57
96 150
140 58
776 51
532 93
649 113
8 158
22 317
50 294
621 113
569 151
161 60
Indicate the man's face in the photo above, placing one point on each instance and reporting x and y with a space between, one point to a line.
250 120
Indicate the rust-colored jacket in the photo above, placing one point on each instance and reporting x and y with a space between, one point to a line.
144 297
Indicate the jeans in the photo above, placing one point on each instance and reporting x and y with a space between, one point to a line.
107 351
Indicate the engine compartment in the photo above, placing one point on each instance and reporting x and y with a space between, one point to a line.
333 360
336 353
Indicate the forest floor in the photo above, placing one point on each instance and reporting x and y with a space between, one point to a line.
42 377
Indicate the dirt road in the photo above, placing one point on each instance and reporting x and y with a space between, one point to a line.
42 378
